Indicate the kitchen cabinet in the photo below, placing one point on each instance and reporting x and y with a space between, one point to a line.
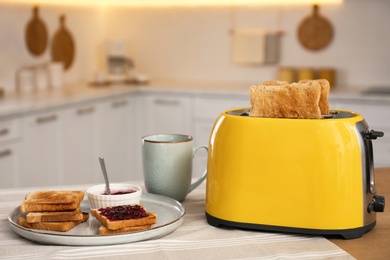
165 113
9 152
41 148
79 151
160 112
206 111
377 116
9 165
117 126
60 143
62 146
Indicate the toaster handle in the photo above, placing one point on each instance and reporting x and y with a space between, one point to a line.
373 135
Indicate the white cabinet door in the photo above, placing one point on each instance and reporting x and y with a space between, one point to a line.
41 149
158 113
165 113
116 138
10 133
206 111
9 165
80 157
377 116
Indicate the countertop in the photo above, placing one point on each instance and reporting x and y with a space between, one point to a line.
16 103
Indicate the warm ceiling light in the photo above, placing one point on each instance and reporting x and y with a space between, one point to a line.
172 3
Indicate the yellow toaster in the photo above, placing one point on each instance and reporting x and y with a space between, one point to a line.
309 176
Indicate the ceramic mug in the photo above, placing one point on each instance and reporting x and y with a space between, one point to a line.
167 164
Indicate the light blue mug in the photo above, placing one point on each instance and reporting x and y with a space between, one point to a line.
167 164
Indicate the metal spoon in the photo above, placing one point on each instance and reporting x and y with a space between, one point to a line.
103 166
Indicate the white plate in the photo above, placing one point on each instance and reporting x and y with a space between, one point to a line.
170 215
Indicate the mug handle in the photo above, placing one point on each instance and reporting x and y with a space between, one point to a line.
203 177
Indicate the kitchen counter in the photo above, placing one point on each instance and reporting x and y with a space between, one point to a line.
13 104
73 111
195 239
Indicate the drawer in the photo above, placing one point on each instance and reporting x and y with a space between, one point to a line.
211 108
9 164
10 129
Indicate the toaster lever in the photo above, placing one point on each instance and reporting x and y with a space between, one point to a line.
373 135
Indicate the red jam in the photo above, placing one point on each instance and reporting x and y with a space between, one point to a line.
124 212
121 192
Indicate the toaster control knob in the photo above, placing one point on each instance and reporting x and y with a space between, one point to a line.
374 134
377 204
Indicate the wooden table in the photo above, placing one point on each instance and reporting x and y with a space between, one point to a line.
376 243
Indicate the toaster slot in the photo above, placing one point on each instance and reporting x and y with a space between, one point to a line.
370 167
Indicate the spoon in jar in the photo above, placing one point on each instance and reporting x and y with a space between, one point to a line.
103 166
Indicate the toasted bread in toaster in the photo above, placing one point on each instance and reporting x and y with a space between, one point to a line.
275 82
53 226
105 231
125 216
54 216
295 100
325 88
51 200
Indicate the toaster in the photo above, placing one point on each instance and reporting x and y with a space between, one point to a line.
307 176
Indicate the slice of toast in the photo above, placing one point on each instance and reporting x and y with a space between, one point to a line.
123 217
53 226
325 88
51 200
105 231
275 82
279 100
55 216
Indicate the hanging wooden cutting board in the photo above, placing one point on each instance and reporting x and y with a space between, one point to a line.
315 32
36 34
63 47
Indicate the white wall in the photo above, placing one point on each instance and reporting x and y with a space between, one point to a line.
195 43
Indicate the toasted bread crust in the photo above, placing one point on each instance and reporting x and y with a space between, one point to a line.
275 82
325 88
50 200
53 226
105 231
119 224
59 216
280 100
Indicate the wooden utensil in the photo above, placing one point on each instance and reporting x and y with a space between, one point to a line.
63 47
36 34
315 32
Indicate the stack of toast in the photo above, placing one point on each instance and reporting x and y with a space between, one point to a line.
306 99
122 219
52 210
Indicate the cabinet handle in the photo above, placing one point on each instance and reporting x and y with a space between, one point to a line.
119 103
46 119
166 102
86 110
4 131
5 153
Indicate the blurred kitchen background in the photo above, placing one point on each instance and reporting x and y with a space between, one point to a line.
173 68
194 43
